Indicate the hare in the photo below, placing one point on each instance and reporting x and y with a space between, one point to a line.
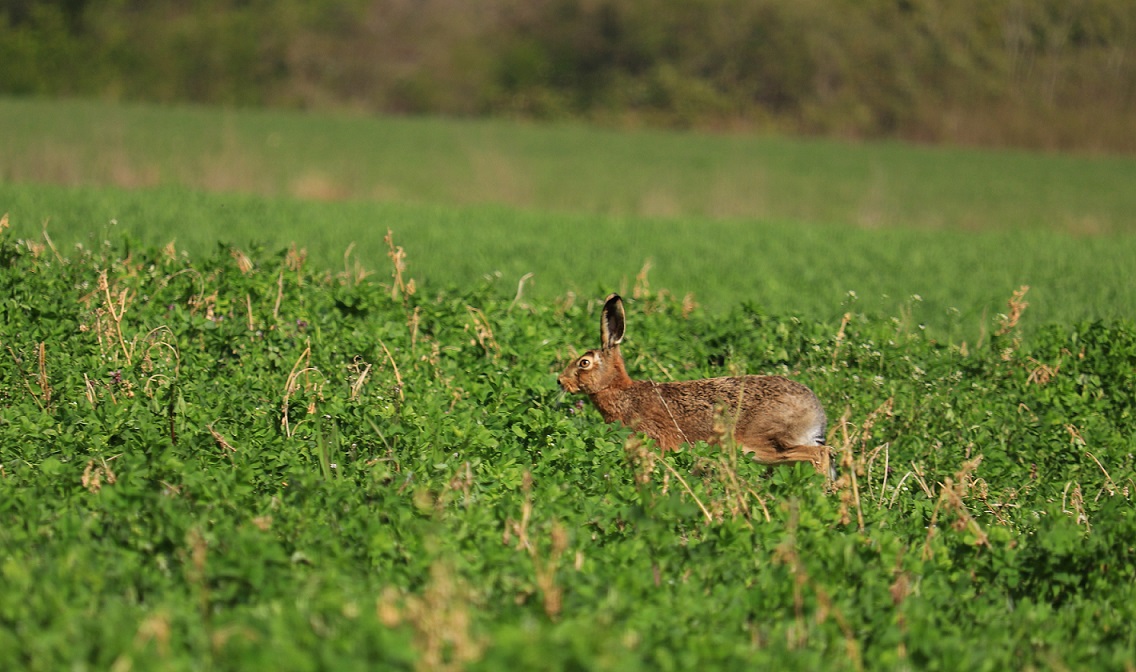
775 419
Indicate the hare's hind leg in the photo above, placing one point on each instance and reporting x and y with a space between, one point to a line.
820 456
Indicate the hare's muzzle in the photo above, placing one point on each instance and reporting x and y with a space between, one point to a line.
568 383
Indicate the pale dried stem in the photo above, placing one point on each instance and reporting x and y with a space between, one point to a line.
41 378
686 486
116 315
222 443
47 239
520 290
840 337
24 376
279 296
89 390
543 570
1110 485
397 375
290 385
360 379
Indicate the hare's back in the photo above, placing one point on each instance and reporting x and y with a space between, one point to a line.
775 387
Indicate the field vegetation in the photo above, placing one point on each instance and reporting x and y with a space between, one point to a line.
246 461
246 426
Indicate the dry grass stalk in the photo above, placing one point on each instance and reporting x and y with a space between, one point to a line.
686 486
462 481
89 390
279 297
195 570
1076 499
786 554
155 628
353 271
294 260
94 475
643 461
359 369
41 376
242 259
162 340
654 301
1008 323
222 443
840 337
412 322
951 498
543 569
397 375
208 303
520 292
399 288
196 298
856 463
42 397
724 468
642 288
440 619
641 458
482 332
1109 484
689 305
1017 305
116 308
1042 373
848 485
47 239
564 303
899 590
302 368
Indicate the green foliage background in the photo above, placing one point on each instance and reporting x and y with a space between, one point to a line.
1047 73
251 462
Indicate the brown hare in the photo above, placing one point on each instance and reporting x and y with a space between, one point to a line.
775 419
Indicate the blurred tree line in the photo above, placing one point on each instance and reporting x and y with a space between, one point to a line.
1034 73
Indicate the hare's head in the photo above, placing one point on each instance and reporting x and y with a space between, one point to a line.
596 370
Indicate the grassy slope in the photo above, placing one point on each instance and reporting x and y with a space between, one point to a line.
563 168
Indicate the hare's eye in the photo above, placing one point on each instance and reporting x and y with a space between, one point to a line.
585 362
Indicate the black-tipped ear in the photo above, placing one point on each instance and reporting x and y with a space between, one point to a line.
612 322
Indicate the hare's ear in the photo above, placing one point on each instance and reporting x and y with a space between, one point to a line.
612 322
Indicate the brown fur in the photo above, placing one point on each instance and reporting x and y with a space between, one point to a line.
775 419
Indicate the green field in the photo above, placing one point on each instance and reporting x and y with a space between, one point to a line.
564 168
223 454
962 279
